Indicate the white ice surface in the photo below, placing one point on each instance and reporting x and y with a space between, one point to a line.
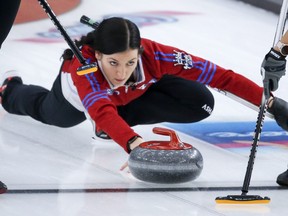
38 157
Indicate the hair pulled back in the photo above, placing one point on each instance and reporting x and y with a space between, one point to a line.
113 35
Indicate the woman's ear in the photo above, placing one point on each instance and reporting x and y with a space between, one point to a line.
141 50
98 55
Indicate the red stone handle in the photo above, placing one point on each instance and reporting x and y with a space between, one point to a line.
175 142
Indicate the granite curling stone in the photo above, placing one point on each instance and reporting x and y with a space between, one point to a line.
165 161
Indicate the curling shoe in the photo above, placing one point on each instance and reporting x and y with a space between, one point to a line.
7 77
279 109
282 179
101 134
3 188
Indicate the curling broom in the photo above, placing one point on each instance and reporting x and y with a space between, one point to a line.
256 199
86 67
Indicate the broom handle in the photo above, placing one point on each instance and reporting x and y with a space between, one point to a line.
281 22
56 22
263 107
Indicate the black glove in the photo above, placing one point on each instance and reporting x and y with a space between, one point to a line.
279 109
272 69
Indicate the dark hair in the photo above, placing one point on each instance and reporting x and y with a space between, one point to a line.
112 35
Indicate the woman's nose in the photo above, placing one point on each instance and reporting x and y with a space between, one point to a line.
121 72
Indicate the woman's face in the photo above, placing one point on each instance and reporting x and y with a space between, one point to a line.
118 67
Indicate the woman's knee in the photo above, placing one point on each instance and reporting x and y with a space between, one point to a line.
207 109
201 104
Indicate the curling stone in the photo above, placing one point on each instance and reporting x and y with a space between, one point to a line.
165 161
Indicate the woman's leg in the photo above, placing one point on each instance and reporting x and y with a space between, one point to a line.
3 188
49 107
171 99
8 11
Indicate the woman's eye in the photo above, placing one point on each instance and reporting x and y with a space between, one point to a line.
131 63
113 63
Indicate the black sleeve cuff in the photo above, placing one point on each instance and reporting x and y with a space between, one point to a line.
131 140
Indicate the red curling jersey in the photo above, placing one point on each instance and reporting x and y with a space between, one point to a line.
92 94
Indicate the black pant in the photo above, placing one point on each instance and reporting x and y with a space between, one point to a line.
8 11
49 107
171 99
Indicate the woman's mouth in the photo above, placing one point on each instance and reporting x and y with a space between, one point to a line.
119 80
